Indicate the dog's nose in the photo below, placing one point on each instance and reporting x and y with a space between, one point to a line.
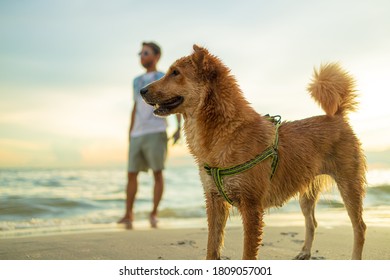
143 91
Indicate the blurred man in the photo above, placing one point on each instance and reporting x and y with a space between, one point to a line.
148 137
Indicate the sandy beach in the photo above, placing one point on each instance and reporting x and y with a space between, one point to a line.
332 242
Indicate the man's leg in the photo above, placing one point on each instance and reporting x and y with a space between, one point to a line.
131 191
157 195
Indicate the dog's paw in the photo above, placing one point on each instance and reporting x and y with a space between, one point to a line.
303 256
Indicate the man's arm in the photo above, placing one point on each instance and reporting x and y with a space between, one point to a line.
132 119
176 136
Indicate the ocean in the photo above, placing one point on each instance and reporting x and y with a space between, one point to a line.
36 201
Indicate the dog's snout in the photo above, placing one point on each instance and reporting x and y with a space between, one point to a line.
144 91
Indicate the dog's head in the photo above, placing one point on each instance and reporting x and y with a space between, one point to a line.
183 88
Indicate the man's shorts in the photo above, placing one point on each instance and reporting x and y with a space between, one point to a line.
148 152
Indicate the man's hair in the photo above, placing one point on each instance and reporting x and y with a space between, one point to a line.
156 48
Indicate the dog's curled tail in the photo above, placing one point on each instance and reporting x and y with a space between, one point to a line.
333 89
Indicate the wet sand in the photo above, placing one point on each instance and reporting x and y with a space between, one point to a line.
279 243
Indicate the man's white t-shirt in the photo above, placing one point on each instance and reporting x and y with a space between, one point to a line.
145 122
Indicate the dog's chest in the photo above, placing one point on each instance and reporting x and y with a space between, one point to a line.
231 185
195 140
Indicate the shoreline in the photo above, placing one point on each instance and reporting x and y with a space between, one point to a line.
330 218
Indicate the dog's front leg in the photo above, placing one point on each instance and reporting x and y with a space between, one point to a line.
217 214
252 219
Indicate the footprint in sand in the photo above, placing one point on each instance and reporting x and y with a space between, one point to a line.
185 242
291 234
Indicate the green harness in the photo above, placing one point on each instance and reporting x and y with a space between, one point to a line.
272 151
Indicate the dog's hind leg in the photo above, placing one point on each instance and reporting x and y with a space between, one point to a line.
307 202
352 194
217 214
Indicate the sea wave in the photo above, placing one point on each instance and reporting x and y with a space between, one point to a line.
56 197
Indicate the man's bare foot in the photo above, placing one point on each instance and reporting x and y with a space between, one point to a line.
128 222
153 220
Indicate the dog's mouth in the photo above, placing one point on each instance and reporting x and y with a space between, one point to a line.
165 107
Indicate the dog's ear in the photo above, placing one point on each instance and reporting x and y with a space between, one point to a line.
197 48
203 61
198 56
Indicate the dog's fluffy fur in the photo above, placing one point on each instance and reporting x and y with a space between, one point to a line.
223 130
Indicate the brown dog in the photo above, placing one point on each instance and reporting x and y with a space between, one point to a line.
223 130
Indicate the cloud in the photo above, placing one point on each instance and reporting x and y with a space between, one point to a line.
54 128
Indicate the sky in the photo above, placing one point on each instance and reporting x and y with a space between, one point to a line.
66 67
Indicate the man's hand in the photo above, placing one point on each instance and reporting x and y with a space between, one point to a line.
176 136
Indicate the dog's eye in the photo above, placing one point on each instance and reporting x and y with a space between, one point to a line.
175 73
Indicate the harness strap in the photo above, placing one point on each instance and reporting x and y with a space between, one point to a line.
272 151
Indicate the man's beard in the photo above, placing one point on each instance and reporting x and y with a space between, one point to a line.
147 64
